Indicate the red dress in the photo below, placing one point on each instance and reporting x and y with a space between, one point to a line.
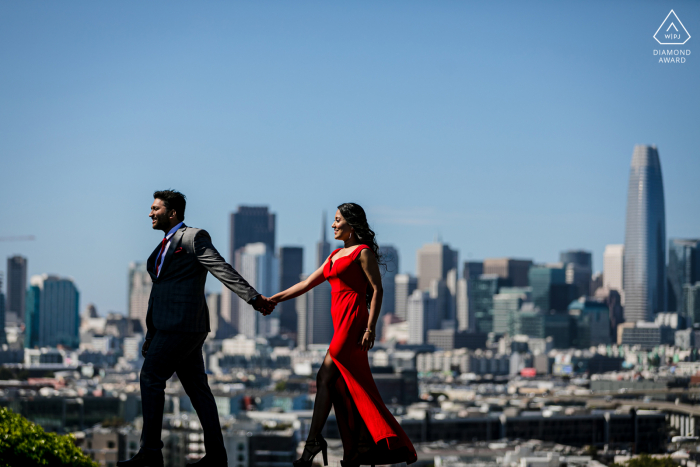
369 432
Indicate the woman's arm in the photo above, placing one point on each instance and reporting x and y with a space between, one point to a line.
302 287
371 268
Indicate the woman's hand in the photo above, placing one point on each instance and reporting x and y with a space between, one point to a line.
367 341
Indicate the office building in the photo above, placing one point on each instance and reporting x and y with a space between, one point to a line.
613 267
214 306
506 306
578 265
291 266
691 301
513 272
434 261
404 285
645 238
464 312
139 283
450 339
390 257
259 266
323 247
52 316
472 269
422 316
550 292
592 320
482 290
3 338
16 286
683 268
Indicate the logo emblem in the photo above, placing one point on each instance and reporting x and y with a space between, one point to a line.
672 31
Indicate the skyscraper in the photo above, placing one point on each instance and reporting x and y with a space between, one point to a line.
16 286
645 237
52 316
579 270
472 269
683 268
323 247
422 316
434 261
249 224
404 285
513 271
549 288
260 267
390 257
291 266
3 339
140 284
613 267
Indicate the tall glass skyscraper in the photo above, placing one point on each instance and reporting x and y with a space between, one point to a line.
645 237
683 268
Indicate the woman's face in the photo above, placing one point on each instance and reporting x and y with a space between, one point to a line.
341 228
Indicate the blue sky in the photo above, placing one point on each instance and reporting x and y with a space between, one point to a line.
505 127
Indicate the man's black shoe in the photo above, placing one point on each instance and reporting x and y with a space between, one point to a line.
144 458
209 461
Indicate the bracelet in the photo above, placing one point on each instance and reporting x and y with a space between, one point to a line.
369 330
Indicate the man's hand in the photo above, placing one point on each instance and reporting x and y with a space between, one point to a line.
145 346
263 304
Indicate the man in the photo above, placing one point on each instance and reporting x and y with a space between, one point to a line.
177 323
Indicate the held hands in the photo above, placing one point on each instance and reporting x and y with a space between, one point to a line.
264 305
367 339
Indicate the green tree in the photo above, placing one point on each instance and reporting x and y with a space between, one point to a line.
27 444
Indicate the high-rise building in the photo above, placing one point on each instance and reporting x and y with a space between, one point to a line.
291 266
16 286
472 269
592 323
579 269
52 315
422 316
249 224
482 290
301 305
549 288
613 267
140 284
404 285
323 247
214 306
465 313
683 268
434 261
259 266
390 269
645 238
691 300
506 305
514 272
3 338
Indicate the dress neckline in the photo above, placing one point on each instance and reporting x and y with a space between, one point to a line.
331 262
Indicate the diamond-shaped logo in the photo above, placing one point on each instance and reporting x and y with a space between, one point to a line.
672 31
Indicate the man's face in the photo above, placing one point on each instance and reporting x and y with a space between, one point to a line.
161 216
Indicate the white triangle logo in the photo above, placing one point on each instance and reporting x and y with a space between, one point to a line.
671 31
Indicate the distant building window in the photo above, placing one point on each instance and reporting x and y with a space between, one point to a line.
241 446
132 445
110 444
241 457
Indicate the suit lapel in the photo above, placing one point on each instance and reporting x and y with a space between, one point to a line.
151 263
174 243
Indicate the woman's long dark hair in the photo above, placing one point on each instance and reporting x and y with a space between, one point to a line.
357 219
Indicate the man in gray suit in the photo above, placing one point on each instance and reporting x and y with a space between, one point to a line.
178 323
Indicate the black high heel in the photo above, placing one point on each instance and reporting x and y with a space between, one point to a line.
314 447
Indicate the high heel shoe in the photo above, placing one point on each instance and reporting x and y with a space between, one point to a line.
314 447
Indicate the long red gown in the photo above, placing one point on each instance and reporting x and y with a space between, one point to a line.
370 433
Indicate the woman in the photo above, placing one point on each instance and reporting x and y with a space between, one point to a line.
370 434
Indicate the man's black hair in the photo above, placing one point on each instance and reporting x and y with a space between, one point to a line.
173 200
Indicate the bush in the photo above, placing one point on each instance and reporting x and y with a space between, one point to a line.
26 444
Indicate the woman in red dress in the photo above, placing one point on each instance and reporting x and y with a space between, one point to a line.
370 434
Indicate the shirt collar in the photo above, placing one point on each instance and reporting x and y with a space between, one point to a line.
173 230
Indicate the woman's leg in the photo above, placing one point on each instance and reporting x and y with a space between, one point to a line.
325 379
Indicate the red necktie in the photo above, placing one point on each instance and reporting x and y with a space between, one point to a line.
162 249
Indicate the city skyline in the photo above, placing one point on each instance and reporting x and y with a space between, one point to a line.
513 147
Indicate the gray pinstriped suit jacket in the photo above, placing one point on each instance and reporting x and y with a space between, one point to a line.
177 301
